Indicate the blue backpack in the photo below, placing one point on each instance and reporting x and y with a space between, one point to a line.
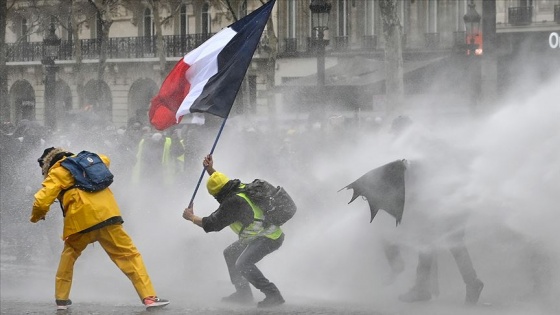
89 172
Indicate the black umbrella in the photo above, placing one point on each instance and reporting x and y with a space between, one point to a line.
384 188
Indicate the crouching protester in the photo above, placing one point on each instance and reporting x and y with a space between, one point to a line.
254 243
88 217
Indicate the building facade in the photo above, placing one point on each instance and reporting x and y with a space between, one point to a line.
433 42
132 73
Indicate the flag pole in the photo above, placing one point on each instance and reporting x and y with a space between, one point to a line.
249 27
204 168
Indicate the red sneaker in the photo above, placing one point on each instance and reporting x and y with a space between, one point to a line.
154 301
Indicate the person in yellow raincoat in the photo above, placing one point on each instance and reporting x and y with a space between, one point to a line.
88 217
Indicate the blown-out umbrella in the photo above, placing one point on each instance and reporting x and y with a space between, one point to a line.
384 189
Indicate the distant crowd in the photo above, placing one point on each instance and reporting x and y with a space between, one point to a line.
153 162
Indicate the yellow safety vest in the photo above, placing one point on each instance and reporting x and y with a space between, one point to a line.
256 228
168 169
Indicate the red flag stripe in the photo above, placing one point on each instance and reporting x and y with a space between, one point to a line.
173 91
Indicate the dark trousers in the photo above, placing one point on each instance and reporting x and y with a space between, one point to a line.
241 259
460 253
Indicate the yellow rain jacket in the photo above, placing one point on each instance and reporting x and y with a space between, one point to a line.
82 209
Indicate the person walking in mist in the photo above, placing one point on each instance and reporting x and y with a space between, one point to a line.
254 243
88 218
438 209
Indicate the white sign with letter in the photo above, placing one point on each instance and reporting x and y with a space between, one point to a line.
554 40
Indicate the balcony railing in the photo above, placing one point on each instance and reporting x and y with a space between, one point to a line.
117 47
25 51
520 15
557 14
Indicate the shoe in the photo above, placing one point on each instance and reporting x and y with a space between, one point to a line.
239 297
473 292
415 295
154 301
63 304
271 300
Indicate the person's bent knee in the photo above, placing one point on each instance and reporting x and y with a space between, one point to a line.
228 252
242 266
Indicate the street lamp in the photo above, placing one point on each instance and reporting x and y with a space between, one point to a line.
320 10
51 46
472 25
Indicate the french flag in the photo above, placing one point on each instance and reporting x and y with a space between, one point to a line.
207 79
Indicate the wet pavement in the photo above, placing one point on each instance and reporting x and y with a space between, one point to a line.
28 288
17 307
13 307
21 295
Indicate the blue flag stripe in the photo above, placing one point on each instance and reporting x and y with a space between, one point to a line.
233 61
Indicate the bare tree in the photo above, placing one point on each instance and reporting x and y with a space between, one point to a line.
80 12
71 15
37 17
173 7
392 31
159 37
104 10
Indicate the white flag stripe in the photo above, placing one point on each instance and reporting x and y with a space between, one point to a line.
203 64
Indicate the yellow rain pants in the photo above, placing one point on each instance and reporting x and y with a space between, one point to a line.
120 248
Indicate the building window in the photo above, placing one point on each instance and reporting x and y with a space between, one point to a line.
148 23
205 18
545 6
184 20
242 9
69 34
24 28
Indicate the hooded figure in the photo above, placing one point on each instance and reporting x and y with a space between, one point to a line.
88 217
255 241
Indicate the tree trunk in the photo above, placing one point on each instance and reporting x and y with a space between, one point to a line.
77 51
392 30
4 104
106 22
